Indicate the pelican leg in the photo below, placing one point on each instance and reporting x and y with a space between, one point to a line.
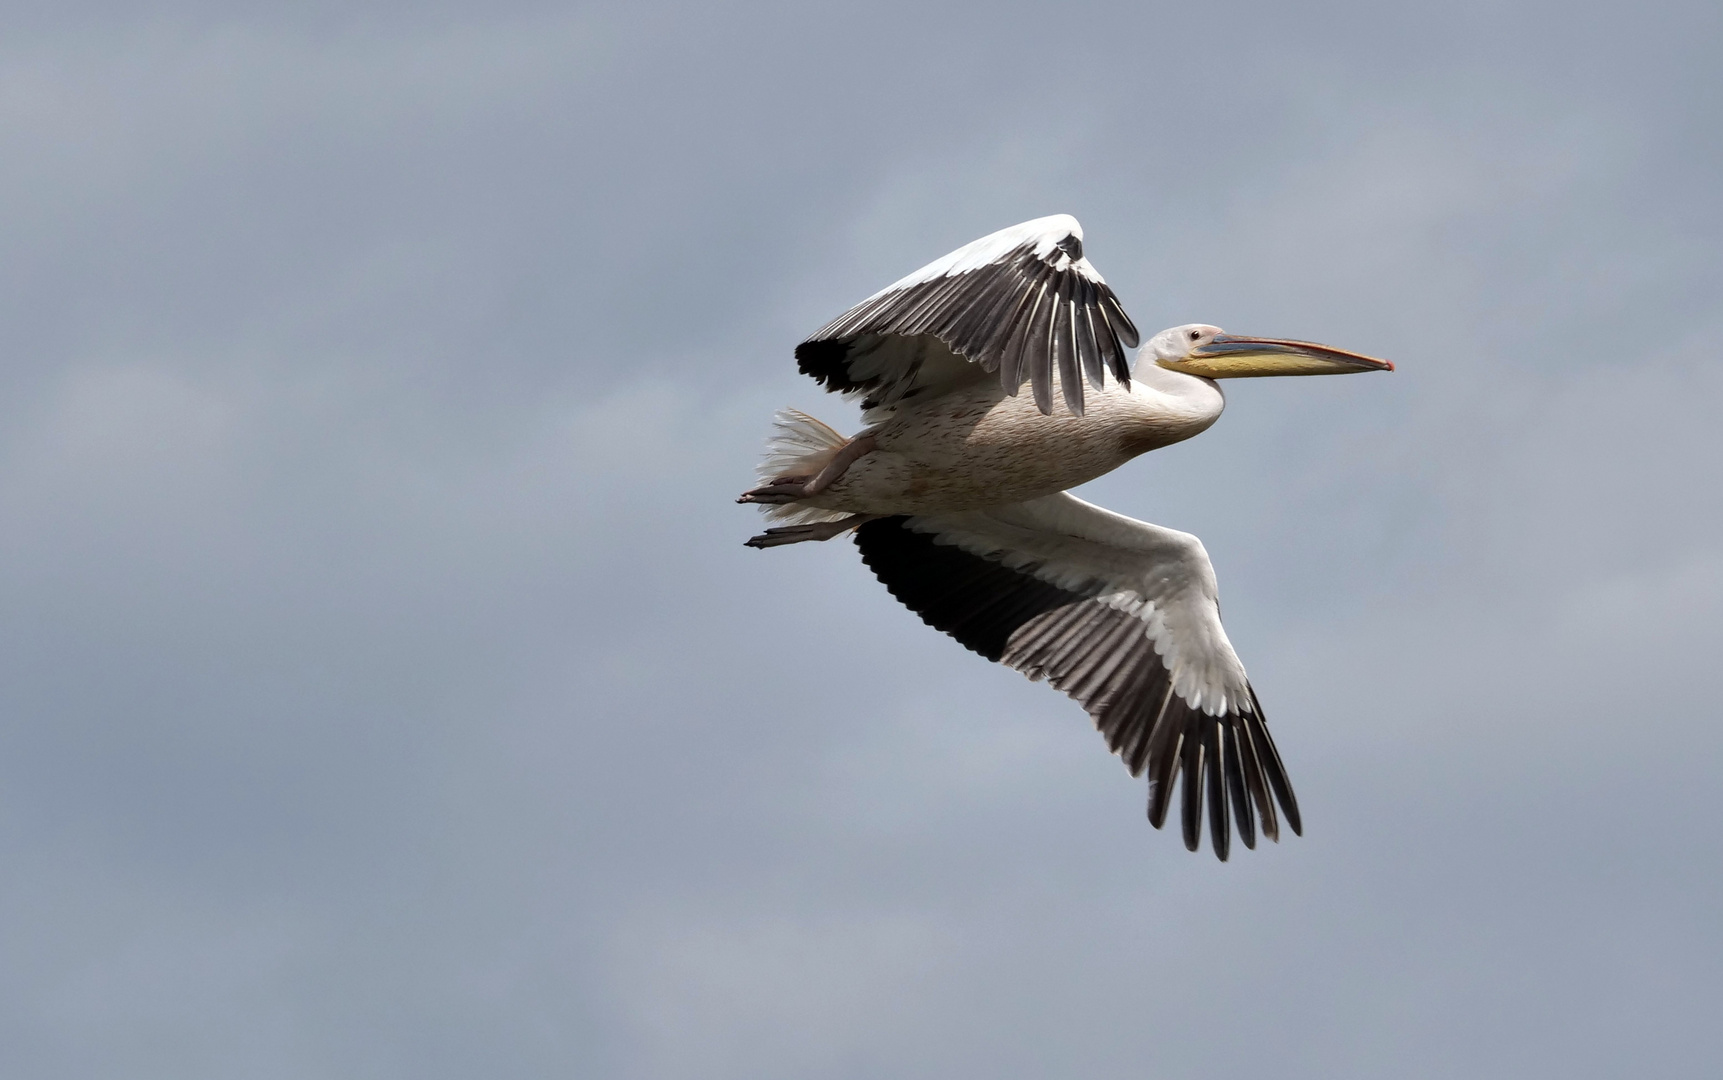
787 489
840 463
819 530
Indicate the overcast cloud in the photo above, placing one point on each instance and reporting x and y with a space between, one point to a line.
385 691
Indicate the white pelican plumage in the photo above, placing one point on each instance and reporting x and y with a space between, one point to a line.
956 491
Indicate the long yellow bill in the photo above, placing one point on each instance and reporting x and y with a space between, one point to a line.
1228 357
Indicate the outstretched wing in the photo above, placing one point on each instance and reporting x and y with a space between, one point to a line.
1122 616
1023 302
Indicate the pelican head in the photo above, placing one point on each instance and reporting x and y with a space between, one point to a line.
1209 351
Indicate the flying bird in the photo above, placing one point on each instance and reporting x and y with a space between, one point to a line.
956 492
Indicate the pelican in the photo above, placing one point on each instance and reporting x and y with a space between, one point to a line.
956 492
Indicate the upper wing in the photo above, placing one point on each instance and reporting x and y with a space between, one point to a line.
1022 302
1122 616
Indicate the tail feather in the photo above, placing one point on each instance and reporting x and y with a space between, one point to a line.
799 446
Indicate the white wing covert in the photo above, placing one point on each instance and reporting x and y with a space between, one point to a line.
1022 302
1121 615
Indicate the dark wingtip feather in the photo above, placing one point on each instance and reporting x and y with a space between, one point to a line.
1162 769
1040 388
1038 356
1163 755
1157 804
1011 369
1089 346
1235 788
1276 770
1191 780
1063 347
1126 329
1219 825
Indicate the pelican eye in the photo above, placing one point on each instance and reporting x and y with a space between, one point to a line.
1195 334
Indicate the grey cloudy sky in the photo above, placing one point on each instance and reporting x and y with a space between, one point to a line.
385 691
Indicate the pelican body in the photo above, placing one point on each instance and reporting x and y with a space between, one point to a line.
957 491
977 445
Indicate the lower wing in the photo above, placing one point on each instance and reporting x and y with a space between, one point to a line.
1122 616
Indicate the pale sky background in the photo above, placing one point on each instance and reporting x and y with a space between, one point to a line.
385 691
